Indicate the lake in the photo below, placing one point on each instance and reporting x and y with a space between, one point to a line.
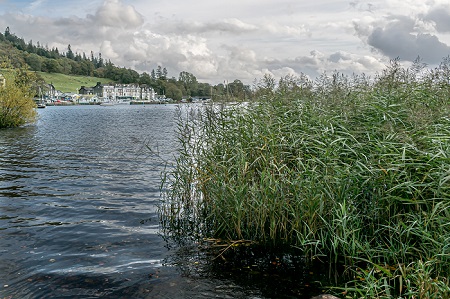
78 210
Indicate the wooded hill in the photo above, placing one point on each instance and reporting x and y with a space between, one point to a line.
17 53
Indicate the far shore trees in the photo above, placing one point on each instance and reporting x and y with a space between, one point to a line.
40 58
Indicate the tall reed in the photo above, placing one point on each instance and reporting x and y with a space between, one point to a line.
352 170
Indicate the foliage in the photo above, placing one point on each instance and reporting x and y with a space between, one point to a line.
345 169
16 100
40 58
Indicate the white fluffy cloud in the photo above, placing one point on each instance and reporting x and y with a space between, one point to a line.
116 15
219 41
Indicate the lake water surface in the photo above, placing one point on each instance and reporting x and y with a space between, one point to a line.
78 209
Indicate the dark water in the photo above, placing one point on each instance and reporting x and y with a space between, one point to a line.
78 216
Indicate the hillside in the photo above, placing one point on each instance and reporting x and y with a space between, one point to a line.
67 83
68 71
71 83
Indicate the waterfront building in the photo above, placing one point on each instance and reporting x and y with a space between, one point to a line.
120 92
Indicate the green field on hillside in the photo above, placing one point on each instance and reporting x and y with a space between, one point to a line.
67 83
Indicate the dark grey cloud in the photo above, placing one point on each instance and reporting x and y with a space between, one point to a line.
317 62
440 16
338 56
399 38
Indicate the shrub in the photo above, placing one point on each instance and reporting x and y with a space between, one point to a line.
356 172
16 101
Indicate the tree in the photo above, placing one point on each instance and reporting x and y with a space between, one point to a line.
125 76
145 79
75 67
158 72
100 72
237 90
16 100
189 83
34 61
51 66
204 90
100 61
30 47
172 91
87 68
218 91
65 65
69 53
94 60
134 76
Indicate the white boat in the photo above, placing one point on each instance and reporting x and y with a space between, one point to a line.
124 102
107 104
40 103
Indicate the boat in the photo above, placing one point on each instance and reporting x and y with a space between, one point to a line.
107 104
40 103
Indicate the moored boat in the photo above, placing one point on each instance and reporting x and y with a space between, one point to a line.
107 104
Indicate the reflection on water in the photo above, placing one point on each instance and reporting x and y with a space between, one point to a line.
78 195
77 201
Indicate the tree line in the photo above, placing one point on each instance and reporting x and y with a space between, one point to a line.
40 58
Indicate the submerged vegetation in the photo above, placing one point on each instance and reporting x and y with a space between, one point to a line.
349 170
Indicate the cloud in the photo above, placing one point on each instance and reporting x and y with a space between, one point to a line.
108 51
219 42
36 4
317 62
399 39
440 15
114 14
227 28
406 37
232 26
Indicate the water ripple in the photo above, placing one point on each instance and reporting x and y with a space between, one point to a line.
74 193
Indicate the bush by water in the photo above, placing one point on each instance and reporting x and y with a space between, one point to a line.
351 170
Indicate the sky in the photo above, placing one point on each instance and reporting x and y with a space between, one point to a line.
221 41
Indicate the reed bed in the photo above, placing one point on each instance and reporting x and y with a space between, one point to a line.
351 170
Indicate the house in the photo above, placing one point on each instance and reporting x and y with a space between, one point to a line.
86 90
98 89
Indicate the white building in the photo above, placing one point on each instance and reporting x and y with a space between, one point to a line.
121 92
